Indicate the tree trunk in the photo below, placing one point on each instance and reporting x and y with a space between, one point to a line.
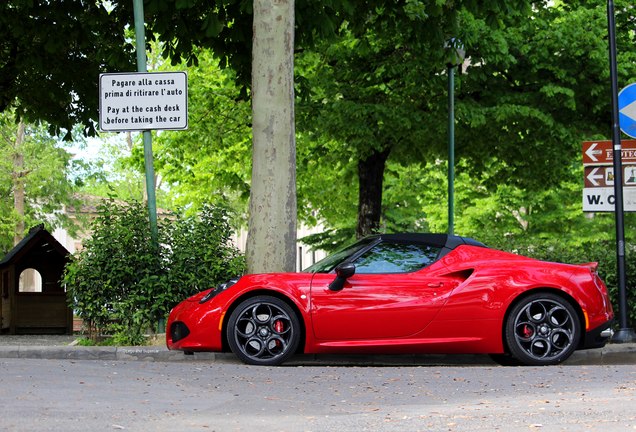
18 183
370 178
271 241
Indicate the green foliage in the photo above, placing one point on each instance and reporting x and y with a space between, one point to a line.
377 89
199 254
41 41
533 88
117 270
85 342
120 283
118 171
47 172
211 161
51 54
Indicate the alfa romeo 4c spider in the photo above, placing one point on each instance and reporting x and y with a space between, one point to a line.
403 294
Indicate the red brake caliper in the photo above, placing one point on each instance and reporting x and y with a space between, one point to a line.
527 331
278 326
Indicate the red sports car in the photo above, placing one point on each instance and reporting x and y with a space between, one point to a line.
403 293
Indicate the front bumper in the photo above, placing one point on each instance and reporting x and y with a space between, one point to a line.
194 327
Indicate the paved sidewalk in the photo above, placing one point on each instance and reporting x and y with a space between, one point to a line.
37 340
64 347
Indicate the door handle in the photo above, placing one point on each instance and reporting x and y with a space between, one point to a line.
435 284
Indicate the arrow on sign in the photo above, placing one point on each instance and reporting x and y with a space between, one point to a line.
592 152
630 111
593 176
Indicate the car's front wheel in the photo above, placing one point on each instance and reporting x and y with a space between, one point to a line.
542 329
263 330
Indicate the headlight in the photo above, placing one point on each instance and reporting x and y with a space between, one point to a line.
219 288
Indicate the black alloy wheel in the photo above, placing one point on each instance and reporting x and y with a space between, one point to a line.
263 331
543 329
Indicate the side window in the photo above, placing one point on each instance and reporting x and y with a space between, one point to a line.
396 258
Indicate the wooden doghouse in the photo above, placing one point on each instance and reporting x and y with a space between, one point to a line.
32 298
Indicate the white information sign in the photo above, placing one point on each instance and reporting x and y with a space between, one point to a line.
601 199
143 101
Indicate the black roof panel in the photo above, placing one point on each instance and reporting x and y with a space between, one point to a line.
438 240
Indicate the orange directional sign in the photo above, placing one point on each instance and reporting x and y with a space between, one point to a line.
603 176
600 152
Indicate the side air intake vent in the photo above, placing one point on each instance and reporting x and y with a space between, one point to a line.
178 331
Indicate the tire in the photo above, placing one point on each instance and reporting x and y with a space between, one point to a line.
542 329
263 331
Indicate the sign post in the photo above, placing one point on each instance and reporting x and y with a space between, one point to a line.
624 333
140 37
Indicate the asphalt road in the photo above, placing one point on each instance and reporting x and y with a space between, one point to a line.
97 395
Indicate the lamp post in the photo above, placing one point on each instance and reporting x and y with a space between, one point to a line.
455 57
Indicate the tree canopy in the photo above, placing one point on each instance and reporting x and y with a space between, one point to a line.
527 96
38 177
371 76
211 160
53 52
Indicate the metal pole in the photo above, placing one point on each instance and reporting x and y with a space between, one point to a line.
140 35
624 334
451 149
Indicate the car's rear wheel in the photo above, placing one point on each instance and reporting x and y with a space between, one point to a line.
542 329
263 330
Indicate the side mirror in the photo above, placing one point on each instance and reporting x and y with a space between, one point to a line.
343 272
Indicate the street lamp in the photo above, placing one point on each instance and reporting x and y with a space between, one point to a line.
455 57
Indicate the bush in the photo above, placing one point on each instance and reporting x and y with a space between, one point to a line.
122 284
197 254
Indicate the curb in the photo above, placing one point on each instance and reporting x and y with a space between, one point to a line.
612 354
143 353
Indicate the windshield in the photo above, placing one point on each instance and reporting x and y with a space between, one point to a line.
328 263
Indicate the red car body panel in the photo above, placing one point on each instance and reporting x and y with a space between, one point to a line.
206 323
458 304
